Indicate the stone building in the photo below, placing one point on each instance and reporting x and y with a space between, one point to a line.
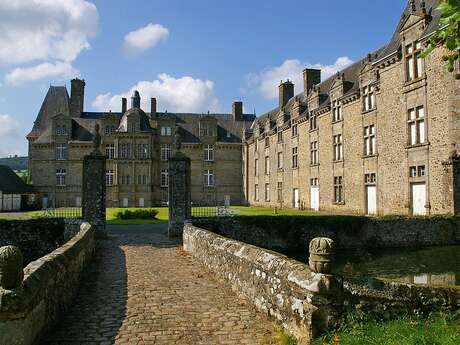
381 136
137 146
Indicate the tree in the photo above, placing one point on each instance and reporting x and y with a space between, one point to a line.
448 32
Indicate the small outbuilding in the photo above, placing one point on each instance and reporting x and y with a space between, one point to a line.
14 193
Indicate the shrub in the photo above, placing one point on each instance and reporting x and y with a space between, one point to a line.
148 213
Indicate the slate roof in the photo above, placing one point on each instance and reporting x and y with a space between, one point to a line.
10 183
352 72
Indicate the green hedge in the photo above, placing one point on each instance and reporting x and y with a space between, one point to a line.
149 213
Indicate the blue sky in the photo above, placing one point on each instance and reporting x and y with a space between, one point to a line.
192 55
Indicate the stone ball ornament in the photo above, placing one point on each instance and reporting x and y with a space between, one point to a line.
322 250
11 267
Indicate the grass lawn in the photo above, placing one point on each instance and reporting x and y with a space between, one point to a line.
437 329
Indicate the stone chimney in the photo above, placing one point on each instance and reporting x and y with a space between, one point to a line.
77 97
153 107
124 105
311 77
237 111
136 100
286 92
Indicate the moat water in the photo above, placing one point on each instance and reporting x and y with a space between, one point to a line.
432 266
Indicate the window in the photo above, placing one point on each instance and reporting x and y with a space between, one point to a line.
370 178
314 154
338 189
295 131
314 182
295 163
256 145
165 131
61 130
165 152
267 165
164 177
256 192
336 111
414 66
369 140
416 125
417 171
125 150
267 192
280 191
313 122
61 151
109 129
280 160
229 134
368 98
267 141
256 167
209 178
208 153
60 177
110 151
109 177
280 135
338 147
206 130
142 151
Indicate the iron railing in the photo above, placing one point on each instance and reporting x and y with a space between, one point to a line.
62 212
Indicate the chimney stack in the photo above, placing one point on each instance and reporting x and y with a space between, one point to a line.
136 100
153 107
124 105
77 97
311 77
237 111
286 92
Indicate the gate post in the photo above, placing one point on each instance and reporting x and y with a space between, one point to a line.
179 194
93 188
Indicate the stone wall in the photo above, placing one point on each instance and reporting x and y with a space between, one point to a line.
48 288
35 237
304 302
294 233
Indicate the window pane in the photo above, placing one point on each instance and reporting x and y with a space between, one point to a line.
413 134
421 129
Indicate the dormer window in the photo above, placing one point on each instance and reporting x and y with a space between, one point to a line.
267 141
61 130
280 135
414 66
206 130
368 98
109 130
165 131
295 131
336 111
313 122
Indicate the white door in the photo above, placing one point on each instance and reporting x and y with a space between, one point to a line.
78 201
16 202
296 198
45 202
371 197
418 195
125 202
141 202
314 198
227 200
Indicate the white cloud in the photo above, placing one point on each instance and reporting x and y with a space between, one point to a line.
57 71
45 29
267 81
11 142
138 41
184 94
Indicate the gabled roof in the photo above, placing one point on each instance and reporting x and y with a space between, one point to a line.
10 183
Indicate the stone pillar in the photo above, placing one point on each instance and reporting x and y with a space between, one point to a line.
93 193
11 272
322 250
179 193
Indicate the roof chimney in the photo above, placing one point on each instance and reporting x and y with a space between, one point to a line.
311 77
124 105
237 111
136 100
286 92
77 97
153 107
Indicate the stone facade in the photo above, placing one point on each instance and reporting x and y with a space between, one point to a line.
380 137
137 146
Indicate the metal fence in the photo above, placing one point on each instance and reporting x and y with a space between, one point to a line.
62 212
210 208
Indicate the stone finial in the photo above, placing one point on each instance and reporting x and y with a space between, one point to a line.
322 251
11 262
412 4
97 139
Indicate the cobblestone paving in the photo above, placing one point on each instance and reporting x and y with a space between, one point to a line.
142 289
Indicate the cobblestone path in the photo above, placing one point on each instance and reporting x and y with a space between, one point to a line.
142 289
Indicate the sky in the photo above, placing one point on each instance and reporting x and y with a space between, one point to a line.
193 56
